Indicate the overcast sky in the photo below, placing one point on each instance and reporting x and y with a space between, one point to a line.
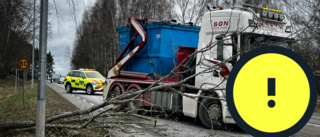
63 31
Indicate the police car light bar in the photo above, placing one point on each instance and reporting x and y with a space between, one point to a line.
85 69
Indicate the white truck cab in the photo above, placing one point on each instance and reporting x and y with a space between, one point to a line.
227 33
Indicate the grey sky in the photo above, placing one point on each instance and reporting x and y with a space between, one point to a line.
63 31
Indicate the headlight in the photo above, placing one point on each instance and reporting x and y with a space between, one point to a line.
270 15
264 13
95 83
281 17
276 16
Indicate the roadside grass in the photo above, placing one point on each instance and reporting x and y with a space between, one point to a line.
7 87
12 108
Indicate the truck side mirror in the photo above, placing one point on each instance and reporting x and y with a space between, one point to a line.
219 37
224 47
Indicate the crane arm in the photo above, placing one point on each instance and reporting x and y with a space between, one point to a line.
122 61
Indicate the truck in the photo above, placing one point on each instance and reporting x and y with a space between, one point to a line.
151 49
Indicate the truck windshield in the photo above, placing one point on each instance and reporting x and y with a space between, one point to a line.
250 41
94 75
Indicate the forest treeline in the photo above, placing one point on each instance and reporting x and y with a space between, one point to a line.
96 44
16 31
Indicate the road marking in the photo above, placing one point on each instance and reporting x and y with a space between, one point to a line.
84 100
101 109
313 125
78 97
91 104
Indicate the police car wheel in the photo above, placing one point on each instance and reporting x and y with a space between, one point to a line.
89 90
68 88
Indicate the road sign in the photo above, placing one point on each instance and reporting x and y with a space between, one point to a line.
271 91
23 63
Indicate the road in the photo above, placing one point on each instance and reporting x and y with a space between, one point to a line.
166 127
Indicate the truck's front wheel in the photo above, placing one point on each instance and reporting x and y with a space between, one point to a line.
210 113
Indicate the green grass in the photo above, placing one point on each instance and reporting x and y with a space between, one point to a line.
12 108
7 87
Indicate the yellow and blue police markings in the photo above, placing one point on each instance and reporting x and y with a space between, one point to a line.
81 83
96 83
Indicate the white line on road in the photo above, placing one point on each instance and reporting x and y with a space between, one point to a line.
84 100
91 104
78 97
313 125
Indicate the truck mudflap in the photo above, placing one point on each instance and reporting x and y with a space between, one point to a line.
190 105
227 118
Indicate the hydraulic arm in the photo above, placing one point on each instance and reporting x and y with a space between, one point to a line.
122 61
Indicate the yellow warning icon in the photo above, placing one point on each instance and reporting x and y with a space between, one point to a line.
271 91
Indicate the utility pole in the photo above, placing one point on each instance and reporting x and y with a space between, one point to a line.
33 43
41 96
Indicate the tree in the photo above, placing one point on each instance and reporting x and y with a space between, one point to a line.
190 10
15 33
50 62
96 45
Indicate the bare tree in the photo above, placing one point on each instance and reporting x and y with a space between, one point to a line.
190 10
15 33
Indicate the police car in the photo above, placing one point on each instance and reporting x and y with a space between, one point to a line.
84 79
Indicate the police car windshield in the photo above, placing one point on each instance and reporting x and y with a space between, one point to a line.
94 75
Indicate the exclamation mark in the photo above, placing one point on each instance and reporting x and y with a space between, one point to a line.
271 91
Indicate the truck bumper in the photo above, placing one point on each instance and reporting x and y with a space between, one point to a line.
227 118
